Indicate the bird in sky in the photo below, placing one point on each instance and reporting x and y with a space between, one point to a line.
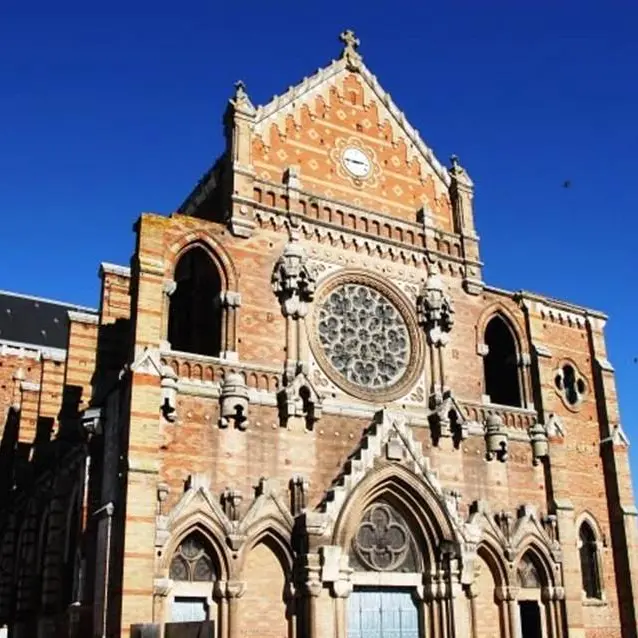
567 183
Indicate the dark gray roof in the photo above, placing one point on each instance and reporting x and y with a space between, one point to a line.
35 321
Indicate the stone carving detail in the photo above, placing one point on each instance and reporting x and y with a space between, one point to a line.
540 444
234 402
383 541
435 309
293 281
364 336
496 438
169 393
446 417
526 574
299 399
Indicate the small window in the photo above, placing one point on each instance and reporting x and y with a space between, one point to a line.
589 561
501 364
192 562
570 385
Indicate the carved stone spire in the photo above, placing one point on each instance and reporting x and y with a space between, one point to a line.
351 44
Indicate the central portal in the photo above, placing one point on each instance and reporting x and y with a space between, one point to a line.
378 613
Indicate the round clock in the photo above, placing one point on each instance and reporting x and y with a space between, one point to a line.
356 162
364 337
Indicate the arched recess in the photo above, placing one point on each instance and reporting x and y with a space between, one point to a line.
417 501
201 302
71 565
398 536
488 609
590 547
502 371
266 608
193 563
538 612
195 310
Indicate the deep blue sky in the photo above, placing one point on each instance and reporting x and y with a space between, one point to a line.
111 109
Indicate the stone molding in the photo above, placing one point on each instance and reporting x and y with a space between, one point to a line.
83 317
114 269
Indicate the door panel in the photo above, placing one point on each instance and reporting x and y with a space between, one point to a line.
382 614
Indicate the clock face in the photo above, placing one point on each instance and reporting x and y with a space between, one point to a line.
356 162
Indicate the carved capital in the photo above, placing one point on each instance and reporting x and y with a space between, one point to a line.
235 588
162 587
169 287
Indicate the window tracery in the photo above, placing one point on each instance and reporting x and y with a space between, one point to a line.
364 336
192 561
570 384
383 541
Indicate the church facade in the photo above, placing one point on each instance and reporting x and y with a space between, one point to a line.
301 412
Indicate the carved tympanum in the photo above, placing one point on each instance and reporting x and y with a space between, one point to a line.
383 541
364 336
527 574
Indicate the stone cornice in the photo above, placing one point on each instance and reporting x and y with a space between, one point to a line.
114 269
83 317
33 351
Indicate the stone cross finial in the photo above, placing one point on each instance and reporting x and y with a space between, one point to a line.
351 44
350 39
240 89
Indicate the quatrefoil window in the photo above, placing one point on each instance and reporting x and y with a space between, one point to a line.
383 541
570 384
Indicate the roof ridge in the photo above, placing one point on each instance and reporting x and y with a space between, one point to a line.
66 304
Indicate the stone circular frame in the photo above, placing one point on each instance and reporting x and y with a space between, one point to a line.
375 380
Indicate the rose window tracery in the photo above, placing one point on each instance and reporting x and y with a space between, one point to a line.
383 541
364 336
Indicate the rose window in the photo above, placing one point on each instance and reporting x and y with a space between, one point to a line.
364 336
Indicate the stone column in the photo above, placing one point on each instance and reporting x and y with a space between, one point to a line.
168 289
234 591
230 302
220 594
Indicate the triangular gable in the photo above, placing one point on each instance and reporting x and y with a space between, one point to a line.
390 437
343 104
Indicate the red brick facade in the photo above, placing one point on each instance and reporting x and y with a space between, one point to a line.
243 472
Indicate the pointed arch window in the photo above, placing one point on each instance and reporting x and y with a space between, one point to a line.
192 561
195 313
589 562
502 382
